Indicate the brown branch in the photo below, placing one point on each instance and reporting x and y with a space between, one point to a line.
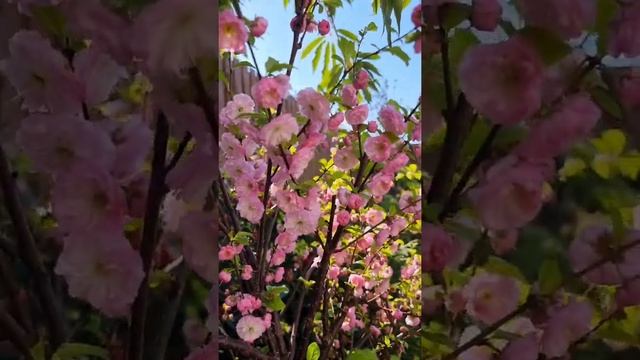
29 253
480 156
16 335
155 195
457 128
242 348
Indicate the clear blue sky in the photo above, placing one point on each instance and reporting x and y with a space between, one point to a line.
403 81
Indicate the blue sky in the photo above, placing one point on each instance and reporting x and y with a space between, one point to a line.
403 82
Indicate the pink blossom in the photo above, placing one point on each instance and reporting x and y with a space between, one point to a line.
57 143
171 35
628 294
357 115
362 80
416 15
300 161
259 26
351 322
103 269
279 130
335 121
356 202
278 275
40 75
286 241
227 252
629 90
378 148
555 135
324 27
595 243
373 216
248 304
199 249
250 328
486 14
236 109
94 21
356 280
397 163
250 208
277 258
99 73
313 105
380 184
509 89
247 272
349 95
270 91
372 126
441 249
193 175
567 18
301 221
398 224
566 324
412 321
392 120
334 272
343 217
312 27
510 195
224 277
132 140
490 297
87 197
523 348
625 31
345 159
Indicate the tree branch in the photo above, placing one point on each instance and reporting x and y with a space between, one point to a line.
29 253
155 195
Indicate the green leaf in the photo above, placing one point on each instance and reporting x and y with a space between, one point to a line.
317 56
363 354
606 101
397 51
572 167
348 34
313 351
500 266
312 46
550 277
603 165
629 166
549 46
70 351
272 297
242 238
272 65
50 18
397 10
611 142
